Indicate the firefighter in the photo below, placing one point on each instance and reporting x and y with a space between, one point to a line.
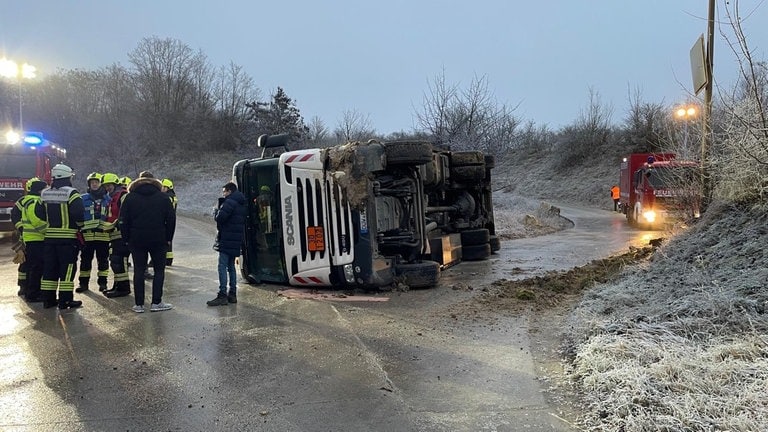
95 240
18 246
168 189
63 210
615 195
118 257
32 232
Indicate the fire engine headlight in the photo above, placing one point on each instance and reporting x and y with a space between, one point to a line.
649 216
349 274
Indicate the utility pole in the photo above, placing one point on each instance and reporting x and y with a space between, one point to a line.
706 174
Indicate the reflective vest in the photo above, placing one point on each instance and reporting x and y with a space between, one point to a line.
95 216
63 211
33 227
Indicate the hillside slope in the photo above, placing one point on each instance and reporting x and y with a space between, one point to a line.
678 341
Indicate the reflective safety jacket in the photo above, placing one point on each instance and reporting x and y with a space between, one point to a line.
32 226
63 210
96 204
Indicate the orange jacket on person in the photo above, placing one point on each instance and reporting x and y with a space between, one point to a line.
615 192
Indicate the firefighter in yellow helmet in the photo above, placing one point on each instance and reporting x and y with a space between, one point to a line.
168 189
95 238
118 257
32 232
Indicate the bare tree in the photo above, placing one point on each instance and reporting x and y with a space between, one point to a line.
467 119
646 125
318 132
587 134
437 104
740 156
354 126
172 83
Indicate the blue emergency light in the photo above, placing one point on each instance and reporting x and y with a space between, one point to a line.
33 138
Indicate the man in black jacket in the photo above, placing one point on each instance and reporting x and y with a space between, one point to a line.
147 224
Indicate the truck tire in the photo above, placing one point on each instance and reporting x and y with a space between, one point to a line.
408 152
495 243
467 158
474 237
468 166
419 275
476 252
468 173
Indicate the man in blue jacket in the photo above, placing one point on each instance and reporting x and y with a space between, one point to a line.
230 221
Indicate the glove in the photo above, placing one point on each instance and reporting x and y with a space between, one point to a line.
20 257
19 246
80 240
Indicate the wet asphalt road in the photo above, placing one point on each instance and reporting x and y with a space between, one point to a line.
278 364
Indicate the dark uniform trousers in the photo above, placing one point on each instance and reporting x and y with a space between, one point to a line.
60 259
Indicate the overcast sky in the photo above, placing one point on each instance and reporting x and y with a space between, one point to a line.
378 57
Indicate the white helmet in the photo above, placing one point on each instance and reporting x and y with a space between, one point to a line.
60 171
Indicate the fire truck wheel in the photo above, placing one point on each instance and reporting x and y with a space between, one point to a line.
495 243
475 253
419 275
474 237
408 153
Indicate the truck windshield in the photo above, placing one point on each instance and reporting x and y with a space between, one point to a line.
264 230
17 166
673 177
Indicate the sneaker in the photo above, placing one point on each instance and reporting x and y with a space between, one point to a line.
232 298
160 307
220 300
81 288
138 308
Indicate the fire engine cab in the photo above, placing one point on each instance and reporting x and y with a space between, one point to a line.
23 156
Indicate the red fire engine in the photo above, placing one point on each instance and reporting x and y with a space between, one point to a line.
23 156
657 188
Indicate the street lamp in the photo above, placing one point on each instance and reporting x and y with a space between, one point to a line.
9 69
686 113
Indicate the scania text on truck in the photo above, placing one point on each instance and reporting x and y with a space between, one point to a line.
657 188
364 215
23 156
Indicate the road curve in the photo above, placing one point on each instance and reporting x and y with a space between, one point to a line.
279 364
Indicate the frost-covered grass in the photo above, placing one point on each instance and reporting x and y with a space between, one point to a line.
681 343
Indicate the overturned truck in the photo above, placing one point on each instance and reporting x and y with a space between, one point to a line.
365 215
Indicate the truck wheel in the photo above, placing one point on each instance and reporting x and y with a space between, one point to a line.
408 152
468 173
495 243
467 158
474 237
476 252
419 275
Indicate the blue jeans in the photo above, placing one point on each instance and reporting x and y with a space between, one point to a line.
227 267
